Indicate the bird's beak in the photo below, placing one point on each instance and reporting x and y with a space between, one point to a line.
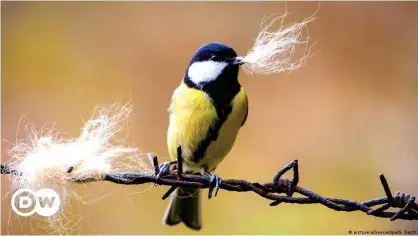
236 61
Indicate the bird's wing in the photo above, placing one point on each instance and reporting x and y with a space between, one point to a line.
246 101
245 118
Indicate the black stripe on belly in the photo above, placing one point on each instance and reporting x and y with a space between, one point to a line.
213 132
222 92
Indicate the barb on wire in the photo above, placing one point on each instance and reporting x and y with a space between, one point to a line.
278 191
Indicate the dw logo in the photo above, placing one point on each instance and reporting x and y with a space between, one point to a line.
45 202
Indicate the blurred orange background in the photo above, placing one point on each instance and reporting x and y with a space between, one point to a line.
348 115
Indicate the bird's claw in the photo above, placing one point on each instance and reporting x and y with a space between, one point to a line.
163 168
214 183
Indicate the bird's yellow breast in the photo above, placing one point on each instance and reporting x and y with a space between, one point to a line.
192 113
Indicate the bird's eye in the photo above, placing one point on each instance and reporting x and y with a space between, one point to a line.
213 57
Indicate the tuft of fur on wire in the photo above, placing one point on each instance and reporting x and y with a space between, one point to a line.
275 51
43 158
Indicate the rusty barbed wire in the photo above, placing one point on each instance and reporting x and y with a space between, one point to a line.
278 191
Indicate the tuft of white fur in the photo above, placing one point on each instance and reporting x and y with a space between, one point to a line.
274 50
42 158
205 71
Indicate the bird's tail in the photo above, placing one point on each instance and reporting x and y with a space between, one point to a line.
184 206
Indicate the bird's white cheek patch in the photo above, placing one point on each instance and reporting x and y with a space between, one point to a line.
205 71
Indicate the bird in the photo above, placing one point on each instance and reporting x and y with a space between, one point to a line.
206 112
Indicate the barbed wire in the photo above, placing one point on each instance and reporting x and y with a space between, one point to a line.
278 191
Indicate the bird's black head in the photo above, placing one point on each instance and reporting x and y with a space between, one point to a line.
216 52
213 63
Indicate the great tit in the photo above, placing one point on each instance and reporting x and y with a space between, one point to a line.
206 112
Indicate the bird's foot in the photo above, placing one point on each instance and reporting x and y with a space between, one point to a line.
163 168
214 183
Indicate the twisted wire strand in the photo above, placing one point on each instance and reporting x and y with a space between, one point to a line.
278 191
